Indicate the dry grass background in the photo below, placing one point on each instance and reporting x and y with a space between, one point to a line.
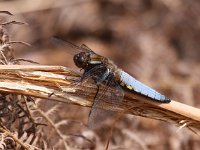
156 41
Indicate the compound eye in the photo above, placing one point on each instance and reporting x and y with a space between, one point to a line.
79 60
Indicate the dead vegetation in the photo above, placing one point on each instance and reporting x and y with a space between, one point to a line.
157 41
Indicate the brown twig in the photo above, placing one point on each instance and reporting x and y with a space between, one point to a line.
13 22
6 12
56 83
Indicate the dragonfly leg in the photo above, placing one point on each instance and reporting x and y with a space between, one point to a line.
79 81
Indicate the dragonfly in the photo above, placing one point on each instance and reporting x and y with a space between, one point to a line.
104 72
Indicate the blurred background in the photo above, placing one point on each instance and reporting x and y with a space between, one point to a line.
156 41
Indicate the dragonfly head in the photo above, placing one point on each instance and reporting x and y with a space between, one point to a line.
81 59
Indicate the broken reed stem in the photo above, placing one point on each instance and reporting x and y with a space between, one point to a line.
57 83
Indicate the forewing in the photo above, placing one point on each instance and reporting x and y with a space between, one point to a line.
88 75
70 47
86 48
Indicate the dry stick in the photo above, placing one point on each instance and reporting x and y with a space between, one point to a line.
13 136
56 83
6 12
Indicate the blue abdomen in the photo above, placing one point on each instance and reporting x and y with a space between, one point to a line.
127 81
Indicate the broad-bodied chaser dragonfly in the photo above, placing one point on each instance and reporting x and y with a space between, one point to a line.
103 71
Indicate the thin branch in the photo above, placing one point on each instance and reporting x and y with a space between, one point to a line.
56 83
18 42
14 22
6 12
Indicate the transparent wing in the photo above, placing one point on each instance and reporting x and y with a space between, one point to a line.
74 49
86 48
89 75
111 93
94 72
